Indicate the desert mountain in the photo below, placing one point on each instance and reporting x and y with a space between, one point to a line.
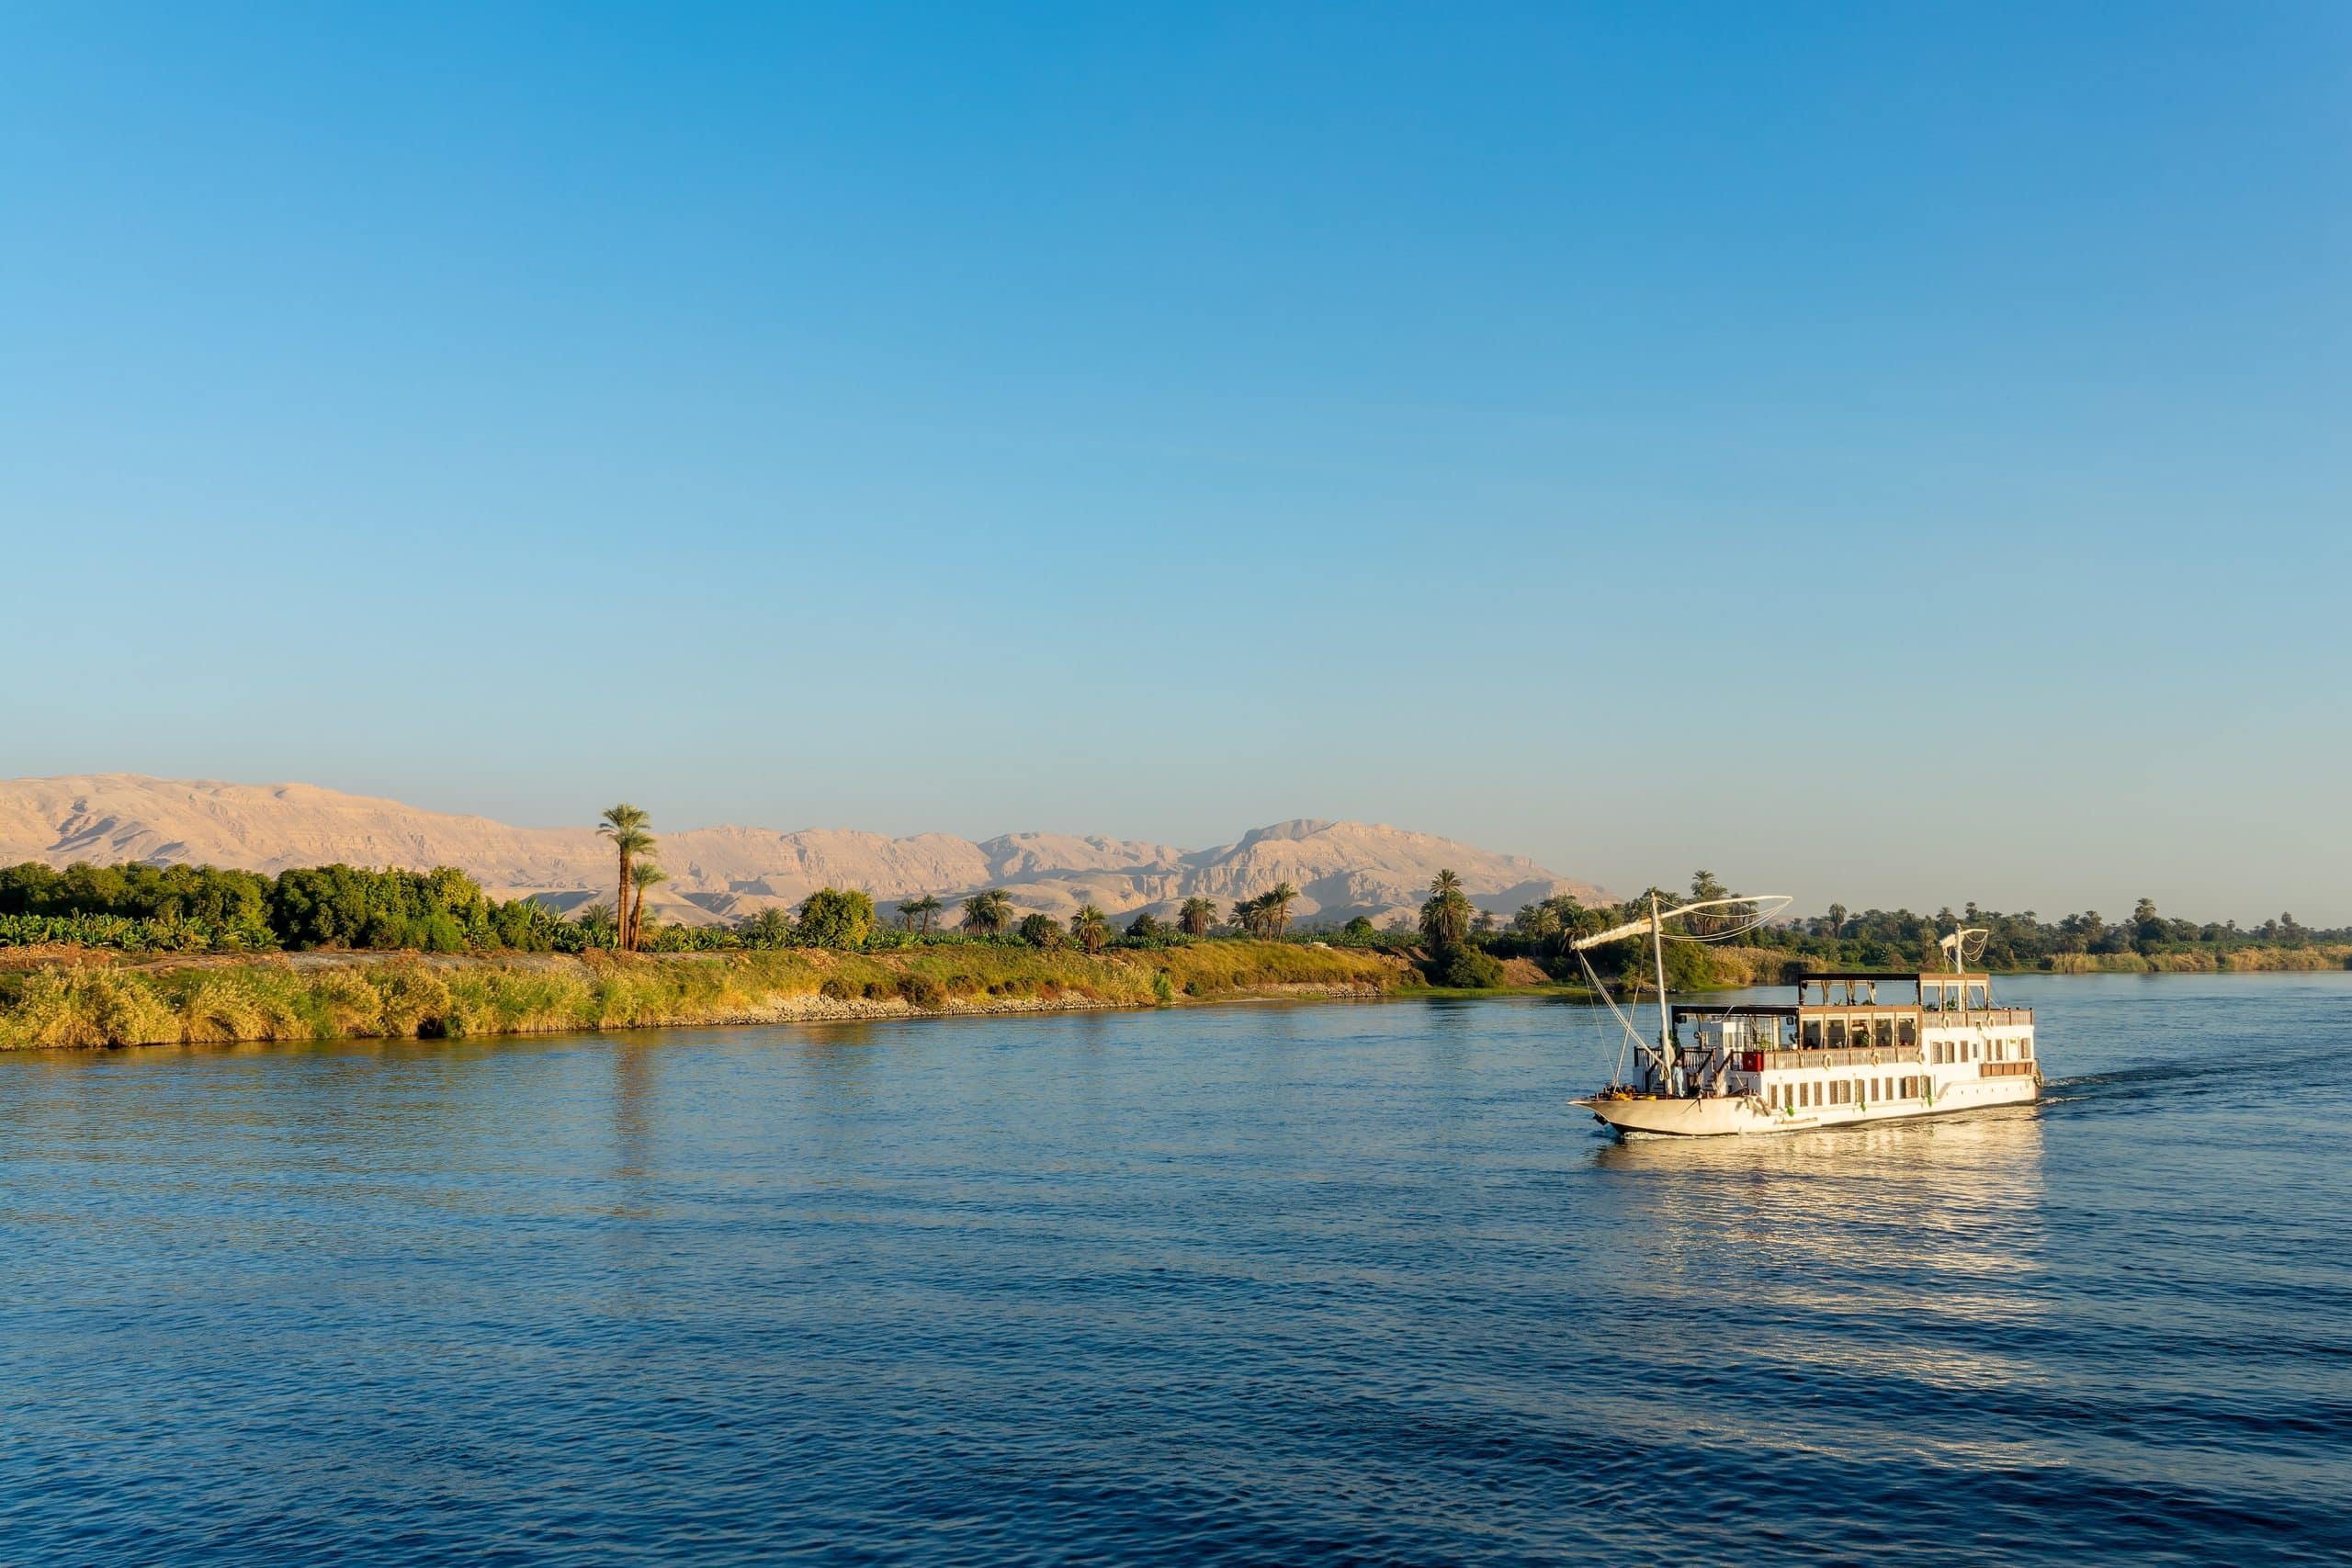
1343 869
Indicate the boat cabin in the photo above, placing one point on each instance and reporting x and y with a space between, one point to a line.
1841 1020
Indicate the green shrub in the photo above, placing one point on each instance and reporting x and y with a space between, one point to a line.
924 992
834 919
1466 968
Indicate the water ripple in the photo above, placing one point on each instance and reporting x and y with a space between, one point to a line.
1334 1284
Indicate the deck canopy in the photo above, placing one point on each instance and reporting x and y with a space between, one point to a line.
1732 1010
1887 975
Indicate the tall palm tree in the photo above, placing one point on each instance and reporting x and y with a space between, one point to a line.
987 913
624 826
1197 918
1088 926
1445 918
641 876
1278 902
922 909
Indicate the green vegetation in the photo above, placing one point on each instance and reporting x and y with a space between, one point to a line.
1267 916
1877 939
987 913
831 918
198 909
410 996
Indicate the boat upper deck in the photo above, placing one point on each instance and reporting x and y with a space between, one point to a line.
1844 1011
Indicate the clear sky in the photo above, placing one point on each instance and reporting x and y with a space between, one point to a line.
1886 453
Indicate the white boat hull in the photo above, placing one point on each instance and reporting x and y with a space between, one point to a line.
1718 1116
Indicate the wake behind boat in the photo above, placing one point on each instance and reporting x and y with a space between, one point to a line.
1841 1053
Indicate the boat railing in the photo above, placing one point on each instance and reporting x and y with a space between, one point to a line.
1839 1057
1978 1018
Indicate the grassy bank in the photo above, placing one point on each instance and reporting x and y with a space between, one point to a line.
2228 961
322 997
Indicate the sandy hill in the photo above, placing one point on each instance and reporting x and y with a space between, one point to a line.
1343 869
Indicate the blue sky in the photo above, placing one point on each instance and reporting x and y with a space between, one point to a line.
1886 453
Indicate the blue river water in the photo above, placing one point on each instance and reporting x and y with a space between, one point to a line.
1270 1284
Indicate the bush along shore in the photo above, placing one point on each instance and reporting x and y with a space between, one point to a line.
331 996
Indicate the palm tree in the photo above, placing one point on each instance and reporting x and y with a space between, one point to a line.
771 927
641 876
624 826
987 914
1278 902
921 909
1088 926
1197 918
1445 918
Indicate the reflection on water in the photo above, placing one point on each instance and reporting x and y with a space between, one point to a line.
1290 1284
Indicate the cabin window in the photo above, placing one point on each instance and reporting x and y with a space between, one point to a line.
1837 1033
1907 1033
1812 1033
2025 1049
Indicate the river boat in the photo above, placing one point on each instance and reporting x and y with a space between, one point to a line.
1855 1046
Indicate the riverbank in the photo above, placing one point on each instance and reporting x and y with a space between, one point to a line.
319 996
1732 968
